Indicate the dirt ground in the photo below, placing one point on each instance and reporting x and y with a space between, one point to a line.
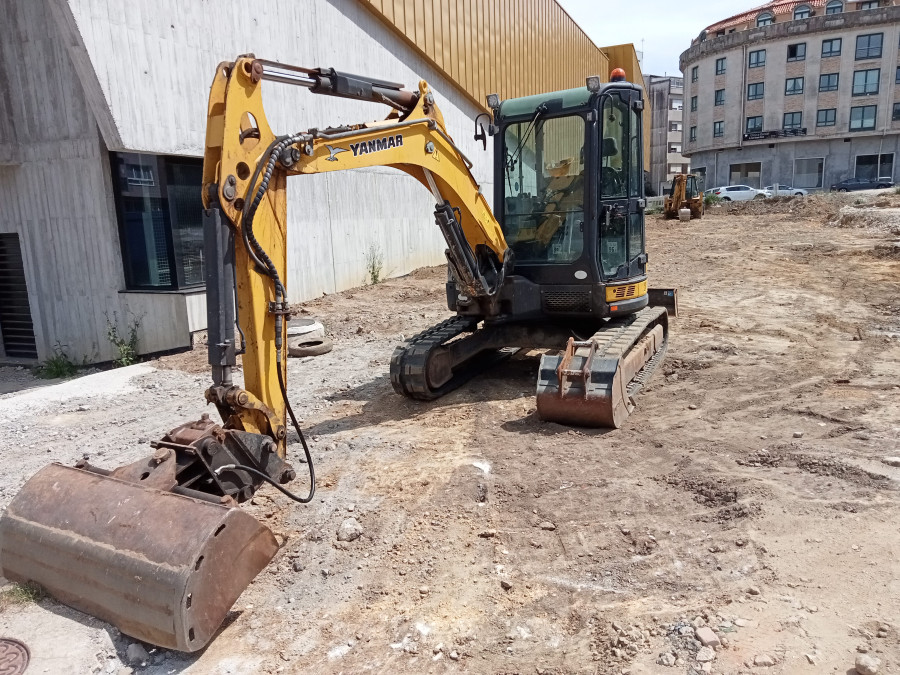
747 493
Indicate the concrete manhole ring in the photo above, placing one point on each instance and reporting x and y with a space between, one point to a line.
14 657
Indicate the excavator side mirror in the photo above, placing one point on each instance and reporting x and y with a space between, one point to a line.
480 135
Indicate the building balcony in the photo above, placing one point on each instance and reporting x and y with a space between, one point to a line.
778 133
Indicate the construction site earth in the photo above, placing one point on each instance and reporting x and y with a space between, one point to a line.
744 520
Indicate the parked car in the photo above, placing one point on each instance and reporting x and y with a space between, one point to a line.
851 184
738 193
786 191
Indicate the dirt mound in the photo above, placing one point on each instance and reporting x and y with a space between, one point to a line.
875 219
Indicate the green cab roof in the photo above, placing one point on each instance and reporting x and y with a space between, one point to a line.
571 98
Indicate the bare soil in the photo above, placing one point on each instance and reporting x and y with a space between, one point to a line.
746 493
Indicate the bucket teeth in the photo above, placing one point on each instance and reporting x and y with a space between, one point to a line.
162 567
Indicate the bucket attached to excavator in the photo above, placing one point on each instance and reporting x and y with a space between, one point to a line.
162 567
158 547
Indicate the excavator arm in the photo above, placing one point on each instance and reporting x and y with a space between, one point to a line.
244 178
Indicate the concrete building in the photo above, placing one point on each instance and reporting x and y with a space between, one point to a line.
102 122
666 95
798 93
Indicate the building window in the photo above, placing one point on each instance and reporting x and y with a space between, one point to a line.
793 85
720 66
745 174
869 46
797 52
862 117
757 59
895 116
869 4
158 207
675 148
718 129
693 104
692 137
677 104
695 73
674 126
875 166
765 19
756 91
754 124
802 12
831 47
808 173
792 120
828 82
897 77
826 117
719 97
834 7
865 82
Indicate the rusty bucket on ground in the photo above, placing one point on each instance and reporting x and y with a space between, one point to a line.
162 567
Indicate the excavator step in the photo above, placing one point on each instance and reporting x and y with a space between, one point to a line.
592 382
162 567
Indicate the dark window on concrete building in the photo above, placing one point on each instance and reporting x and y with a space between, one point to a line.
695 73
757 59
745 174
720 66
875 166
802 12
754 123
674 126
826 117
869 46
897 77
792 120
863 117
719 97
16 325
718 129
808 173
765 19
828 82
692 136
693 104
796 52
865 82
756 91
895 116
834 7
869 4
158 206
831 47
793 85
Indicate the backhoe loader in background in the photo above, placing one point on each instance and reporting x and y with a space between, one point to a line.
684 193
159 547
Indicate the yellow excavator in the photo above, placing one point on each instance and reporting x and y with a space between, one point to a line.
159 547
684 193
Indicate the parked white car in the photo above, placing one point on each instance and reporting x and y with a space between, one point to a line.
786 191
738 193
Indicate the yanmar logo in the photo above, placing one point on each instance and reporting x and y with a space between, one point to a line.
379 144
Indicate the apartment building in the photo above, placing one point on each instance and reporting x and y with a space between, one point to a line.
800 93
666 96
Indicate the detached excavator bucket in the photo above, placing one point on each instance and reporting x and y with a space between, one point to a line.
161 567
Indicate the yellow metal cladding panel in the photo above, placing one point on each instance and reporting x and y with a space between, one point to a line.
627 292
510 47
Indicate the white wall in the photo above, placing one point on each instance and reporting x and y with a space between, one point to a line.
151 63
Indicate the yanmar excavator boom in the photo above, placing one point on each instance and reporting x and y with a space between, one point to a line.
160 547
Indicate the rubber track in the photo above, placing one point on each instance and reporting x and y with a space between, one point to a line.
409 361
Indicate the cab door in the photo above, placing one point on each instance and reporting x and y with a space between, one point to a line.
621 186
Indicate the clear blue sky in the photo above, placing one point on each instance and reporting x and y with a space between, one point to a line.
666 26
